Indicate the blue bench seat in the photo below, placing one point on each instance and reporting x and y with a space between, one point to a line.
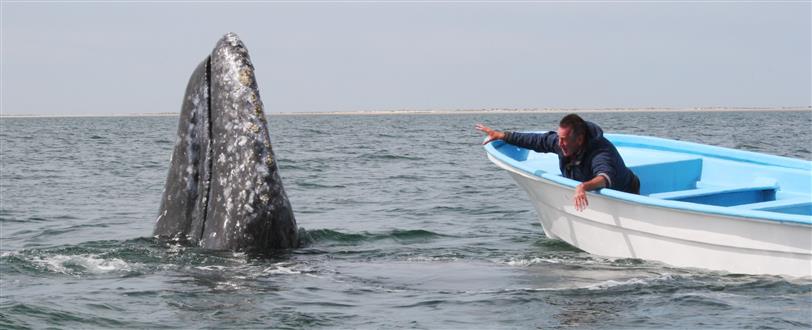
722 196
797 205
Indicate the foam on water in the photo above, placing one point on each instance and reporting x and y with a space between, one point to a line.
280 270
83 264
635 281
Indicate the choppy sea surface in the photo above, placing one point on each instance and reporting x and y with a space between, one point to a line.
408 226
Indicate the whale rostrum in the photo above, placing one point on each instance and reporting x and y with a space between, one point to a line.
223 190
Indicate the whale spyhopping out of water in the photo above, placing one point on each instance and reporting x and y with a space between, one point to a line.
223 190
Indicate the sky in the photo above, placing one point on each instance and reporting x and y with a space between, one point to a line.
94 58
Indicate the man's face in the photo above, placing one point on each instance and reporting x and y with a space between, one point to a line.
569 143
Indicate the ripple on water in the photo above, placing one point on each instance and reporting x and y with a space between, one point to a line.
25 315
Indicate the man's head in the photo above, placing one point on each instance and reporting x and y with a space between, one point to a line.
571 134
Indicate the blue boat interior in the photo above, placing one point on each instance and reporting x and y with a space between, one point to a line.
695 177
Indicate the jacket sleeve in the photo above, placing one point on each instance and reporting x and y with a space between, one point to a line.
603 164
539 142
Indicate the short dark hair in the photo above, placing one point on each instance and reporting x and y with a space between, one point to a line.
575 123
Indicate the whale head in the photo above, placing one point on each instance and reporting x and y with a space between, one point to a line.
223 190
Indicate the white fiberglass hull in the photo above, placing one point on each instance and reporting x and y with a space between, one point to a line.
623 229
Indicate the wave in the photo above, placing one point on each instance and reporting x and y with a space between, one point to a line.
282 269
21 315
559 259
702 288
90 258
399 235
694 300
143 255
427 259
408 177
56 231
290 166
635 282
66 264
309 131
84 264
302 184
11 216
383 156
29 219
555 245
571 256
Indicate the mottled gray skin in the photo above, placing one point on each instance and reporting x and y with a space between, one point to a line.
223 190
183 207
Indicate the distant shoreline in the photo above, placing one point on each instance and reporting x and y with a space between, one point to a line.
453 112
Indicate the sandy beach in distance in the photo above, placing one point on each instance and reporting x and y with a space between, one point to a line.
449 111
550 110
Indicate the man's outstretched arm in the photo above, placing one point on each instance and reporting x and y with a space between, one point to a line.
540 142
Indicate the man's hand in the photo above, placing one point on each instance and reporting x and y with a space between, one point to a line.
492 134
580 198
581 202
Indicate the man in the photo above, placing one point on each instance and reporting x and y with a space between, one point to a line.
583 155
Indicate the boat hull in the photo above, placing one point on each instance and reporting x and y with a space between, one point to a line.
619 228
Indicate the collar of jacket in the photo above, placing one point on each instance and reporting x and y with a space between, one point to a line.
576 161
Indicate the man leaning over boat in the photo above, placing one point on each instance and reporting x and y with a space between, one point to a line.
583 155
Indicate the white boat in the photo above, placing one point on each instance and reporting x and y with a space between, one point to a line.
699 206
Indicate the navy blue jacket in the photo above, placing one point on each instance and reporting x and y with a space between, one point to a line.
600 157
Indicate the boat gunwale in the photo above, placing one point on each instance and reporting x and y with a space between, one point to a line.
731 154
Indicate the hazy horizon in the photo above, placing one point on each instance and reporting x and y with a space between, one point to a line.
136 58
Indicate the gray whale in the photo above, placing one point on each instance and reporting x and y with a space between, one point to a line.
223 190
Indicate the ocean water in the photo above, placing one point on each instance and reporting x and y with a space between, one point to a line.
408 226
